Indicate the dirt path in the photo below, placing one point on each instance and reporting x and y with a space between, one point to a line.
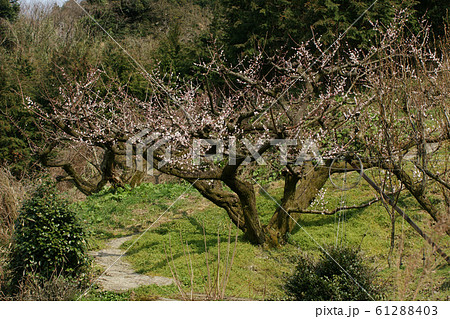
121 276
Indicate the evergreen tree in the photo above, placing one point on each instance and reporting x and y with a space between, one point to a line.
435 12
14 119
250 25
9 9
129 17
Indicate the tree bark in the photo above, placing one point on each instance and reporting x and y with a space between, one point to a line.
247 198
416 191
299 192
228 201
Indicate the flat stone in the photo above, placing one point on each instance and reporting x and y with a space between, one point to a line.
119 275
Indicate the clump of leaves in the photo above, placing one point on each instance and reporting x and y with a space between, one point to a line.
326 279
48 239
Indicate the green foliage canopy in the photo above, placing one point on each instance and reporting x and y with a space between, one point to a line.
270 25
9 9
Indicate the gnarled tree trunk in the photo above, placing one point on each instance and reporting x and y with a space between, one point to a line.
299 192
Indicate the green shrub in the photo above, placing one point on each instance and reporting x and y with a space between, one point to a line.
48 239
325 279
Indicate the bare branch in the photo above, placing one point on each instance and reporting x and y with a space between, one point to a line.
334 211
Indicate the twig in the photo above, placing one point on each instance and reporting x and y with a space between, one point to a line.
174 270
208 290
334 211
433 176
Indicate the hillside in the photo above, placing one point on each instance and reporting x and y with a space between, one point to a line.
176 222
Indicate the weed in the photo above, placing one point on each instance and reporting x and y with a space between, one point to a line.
216 279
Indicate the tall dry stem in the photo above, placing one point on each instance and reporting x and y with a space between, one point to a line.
216 280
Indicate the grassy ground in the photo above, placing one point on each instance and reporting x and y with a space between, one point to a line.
176 242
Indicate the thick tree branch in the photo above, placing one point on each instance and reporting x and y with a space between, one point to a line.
228 201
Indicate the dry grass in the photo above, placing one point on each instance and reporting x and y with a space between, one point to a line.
217 278
11 194
57 288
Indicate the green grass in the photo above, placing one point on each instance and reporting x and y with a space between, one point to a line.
123 212
257 273
184 241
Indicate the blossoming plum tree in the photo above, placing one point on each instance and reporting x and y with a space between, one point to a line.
364 107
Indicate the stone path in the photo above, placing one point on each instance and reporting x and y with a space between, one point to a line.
121 276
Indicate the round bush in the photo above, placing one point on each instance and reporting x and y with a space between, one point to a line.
325 280
48 238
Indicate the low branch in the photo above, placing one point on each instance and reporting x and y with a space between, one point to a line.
83 185
433 176
424 202
334 211
409 184
406 217
430 140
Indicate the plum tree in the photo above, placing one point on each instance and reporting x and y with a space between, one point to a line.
367 107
